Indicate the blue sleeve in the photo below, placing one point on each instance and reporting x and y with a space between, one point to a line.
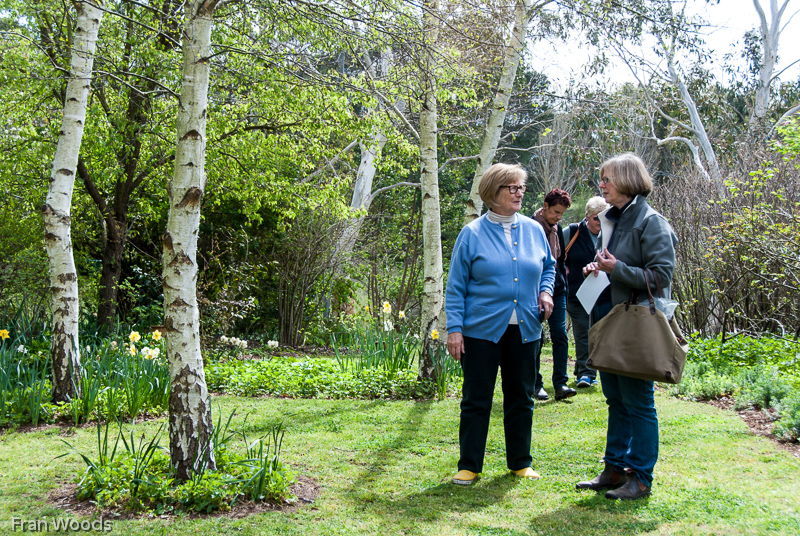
457 281
548 269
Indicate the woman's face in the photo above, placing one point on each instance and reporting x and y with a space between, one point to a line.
506 203
610 193
593 223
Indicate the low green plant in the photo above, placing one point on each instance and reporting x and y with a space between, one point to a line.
761 388
267 477
446 369
788 426
136 473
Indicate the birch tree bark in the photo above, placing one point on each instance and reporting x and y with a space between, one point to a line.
64 346
190 423
497 116
432 272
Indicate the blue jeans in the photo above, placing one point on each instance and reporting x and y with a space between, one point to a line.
558 334
632 436
580 331
480 363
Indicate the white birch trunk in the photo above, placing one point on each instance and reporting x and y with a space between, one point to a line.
190 424
770 36
361 191
497 117
64 346
432 272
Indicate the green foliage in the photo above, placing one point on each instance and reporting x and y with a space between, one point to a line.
758 373
311 378
761 388
135 473
788 408
116 380
373 346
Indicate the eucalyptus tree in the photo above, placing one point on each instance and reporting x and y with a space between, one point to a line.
770 28
64 345
675 33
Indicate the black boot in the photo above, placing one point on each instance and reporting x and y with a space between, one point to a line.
633 489
609 478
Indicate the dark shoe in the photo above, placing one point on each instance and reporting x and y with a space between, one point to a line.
609 478
541 394
564 392
632 489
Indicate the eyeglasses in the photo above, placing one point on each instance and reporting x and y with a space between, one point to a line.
605 180
513 188
594 218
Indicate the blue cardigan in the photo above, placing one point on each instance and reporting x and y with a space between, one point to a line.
488 278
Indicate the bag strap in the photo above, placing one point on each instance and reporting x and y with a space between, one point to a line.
649 292
572 240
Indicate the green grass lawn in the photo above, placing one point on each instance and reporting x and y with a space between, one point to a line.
384 467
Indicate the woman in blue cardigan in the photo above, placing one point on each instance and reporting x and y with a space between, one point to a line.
499 290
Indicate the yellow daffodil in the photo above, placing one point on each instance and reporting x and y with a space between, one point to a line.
134 336
401 315
4 334
366 308
387 307
435 334
132 349
156 335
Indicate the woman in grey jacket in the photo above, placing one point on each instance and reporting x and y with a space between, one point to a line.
633 236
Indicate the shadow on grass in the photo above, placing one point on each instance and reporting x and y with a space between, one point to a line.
595 516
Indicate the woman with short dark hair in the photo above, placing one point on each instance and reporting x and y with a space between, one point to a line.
499 286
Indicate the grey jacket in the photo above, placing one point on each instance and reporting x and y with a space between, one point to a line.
642 239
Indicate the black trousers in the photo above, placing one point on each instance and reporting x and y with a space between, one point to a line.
480 362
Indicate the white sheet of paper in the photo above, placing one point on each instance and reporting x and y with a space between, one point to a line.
590 290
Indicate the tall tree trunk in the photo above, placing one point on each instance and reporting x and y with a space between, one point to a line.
64 346
770 36
113 249
432 272
497 117
190 423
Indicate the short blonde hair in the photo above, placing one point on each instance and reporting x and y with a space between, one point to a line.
596 205
630 176
496 176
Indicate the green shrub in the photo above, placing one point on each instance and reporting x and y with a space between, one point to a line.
788 427
702 382
761 388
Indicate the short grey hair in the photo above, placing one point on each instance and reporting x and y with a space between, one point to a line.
596 205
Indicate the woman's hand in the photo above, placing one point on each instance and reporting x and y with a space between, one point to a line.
545 304
606 261
591 268
455 345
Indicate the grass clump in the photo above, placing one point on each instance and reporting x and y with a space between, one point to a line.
134 473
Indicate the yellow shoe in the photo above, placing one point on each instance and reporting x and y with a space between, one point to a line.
527 473
464 477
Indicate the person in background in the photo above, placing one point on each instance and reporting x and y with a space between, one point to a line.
555 204
633 236
500 283
581 240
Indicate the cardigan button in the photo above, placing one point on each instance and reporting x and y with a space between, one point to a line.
514 259
515 279
515 243
521 321
515 301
